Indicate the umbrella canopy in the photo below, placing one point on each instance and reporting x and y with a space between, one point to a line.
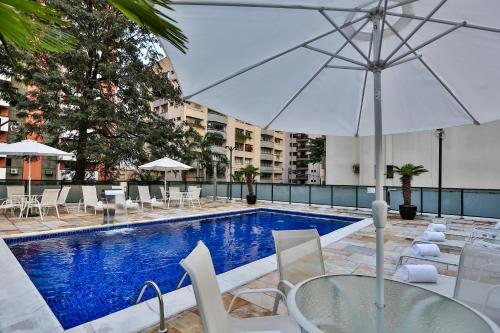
346 67
165 164
31 148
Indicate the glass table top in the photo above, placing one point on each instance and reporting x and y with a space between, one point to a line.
346 304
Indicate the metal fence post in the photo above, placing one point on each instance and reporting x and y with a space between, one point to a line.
357 197
256 188
241 191
272 192
331 196
461 203
290 193
421 201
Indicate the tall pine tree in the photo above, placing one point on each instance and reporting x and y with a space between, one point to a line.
94 99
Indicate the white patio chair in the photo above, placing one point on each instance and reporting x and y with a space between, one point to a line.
48 200
175 196
15 199
198 264
478 279
192 196
90 199
63 196
192 188
145 198
173 189
299 257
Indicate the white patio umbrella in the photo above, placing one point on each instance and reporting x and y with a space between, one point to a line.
303 66
165 164
30 148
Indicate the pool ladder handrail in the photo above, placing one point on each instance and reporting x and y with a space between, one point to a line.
181 280
153 285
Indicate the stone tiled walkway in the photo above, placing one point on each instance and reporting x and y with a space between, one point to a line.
352 255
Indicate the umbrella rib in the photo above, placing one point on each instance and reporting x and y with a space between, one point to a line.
348 39
347 67
264 61
363 90
381 31
403 61
437 77
427 18
265 5
312 48
447 22
435 38
304 86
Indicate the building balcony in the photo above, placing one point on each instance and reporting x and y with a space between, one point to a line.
302 158
266 156
217 117
218 150
267 132
5 122
218 131
267 144
270 169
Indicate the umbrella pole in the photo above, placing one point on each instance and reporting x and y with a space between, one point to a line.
379 206
165 187
29 176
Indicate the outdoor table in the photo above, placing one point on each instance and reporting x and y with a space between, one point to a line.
26 200
346 304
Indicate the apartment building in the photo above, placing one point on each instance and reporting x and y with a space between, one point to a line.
298 168
272 145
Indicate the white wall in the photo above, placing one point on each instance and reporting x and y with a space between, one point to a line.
471 157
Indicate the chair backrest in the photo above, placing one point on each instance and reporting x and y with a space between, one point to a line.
49 196
299 255
163 194
89 193
175 195
144 195
198 264
63 195
192 188
478 279
15 190
174 189
194 193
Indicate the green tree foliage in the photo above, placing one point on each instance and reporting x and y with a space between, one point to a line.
407 172
248 174
203 146
33 26
96 96
317 150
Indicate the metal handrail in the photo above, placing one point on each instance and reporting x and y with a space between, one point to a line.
181 280
162 329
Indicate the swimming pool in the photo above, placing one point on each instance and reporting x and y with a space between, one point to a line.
85 275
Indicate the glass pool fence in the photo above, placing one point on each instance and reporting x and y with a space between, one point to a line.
455 201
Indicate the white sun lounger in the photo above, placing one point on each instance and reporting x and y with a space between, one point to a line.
447 259
445 285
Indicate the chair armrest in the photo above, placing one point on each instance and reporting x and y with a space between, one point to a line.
254 291
286 283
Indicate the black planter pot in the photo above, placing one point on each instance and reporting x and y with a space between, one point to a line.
407 212
251 199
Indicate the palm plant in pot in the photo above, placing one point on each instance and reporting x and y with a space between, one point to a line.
407 172
248 173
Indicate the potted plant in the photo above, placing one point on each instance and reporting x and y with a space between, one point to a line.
248 174
407 172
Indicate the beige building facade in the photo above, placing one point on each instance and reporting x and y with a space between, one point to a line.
298 169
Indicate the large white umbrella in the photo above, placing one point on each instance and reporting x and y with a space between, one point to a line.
30 148
341 67
165 164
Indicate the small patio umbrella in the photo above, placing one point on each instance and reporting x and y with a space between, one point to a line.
30 148
165 164
302 66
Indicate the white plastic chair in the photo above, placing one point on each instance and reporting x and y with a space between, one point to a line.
145 198
299 257
63 196
48 200
193 195
198 264
15 199
175 196
174 189
90 199
478 279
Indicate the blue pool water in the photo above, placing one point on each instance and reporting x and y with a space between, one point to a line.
84 276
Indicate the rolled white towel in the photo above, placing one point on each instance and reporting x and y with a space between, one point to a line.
153 200
99 204
438 227
419 273
426 250
434 236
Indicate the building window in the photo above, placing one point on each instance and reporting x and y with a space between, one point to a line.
238 146
238 160
248 161
249 148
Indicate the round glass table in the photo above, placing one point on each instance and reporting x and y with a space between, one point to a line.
346 304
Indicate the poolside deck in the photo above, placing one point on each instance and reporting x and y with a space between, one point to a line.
352 255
